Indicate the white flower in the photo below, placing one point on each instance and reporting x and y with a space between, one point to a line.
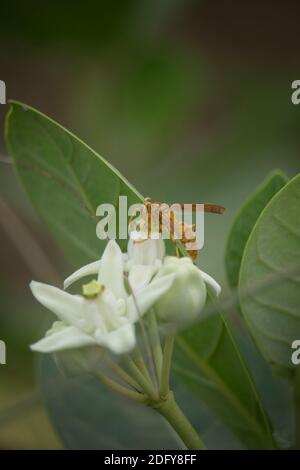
184 301
105 315
142 261
145 256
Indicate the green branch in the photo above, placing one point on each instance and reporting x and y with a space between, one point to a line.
170 410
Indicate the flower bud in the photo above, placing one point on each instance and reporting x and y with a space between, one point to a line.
184 301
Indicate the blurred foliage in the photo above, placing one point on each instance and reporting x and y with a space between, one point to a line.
56 22
190 100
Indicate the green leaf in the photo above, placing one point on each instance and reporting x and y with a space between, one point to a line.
209 363
65 179
88 415
244 223
269 284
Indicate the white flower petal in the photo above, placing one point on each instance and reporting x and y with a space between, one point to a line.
108 311
91 268
212 286
140 275
111 271
161 249
88 270
67 338
146 297
67 307
145 251
120 341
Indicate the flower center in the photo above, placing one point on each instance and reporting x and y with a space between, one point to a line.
92 289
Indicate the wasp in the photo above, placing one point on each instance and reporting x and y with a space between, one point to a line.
158 216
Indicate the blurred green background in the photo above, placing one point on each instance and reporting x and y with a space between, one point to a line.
190 100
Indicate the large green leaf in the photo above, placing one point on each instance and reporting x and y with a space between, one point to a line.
245 220
87 415
269 283
66 181
209 363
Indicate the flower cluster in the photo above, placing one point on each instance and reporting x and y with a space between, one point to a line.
127 287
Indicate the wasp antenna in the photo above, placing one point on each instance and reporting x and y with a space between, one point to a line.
213 208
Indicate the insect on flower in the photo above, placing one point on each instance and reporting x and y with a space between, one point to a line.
163 218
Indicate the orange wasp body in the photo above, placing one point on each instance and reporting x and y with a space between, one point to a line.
163 217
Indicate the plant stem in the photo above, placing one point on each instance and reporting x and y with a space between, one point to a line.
123 375
141 379
170 410
155 343
162 401
141 364
120 389
144 332
166 366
